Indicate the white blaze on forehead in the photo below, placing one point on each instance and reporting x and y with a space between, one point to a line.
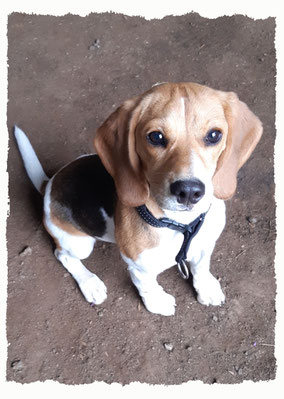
183 113
175 117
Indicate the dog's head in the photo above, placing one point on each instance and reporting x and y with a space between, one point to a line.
178 143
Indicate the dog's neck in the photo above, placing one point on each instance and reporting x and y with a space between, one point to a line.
189 231
185 217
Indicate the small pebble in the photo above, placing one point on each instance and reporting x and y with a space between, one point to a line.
215 318
252 220
168 346
95 44
26 251
17 365
239 370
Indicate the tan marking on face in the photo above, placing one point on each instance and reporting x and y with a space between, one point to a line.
184 113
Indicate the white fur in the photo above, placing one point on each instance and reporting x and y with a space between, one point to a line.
31 161
151 262
208 289
109 235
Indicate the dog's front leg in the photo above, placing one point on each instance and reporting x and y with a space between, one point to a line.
155 299
208 288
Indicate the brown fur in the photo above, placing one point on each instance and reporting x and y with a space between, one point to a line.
68 227
62 224
244 132
135 165
184 113
58 246
133 235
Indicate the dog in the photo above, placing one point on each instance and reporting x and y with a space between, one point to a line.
168 155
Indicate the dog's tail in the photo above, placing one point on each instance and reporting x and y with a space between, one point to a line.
32 165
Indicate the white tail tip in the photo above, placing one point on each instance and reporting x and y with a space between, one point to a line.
30 159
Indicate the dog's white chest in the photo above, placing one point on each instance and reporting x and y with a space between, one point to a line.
163 256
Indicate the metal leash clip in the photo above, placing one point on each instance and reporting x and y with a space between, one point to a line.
183 269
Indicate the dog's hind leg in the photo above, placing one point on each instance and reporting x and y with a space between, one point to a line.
73 245
93 289
70 250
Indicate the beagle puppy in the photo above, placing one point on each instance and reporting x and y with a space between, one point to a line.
175 150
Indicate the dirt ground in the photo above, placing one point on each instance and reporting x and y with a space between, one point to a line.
66 75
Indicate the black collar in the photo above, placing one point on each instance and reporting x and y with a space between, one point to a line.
188 230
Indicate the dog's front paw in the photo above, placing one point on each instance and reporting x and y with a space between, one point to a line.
159 302
94 290
209 290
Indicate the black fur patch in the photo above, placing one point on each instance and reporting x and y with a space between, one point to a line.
80 190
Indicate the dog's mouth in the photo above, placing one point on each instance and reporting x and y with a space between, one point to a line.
183 195
170 204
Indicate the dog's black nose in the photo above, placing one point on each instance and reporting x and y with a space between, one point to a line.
188 191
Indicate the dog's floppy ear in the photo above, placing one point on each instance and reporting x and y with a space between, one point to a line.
244 132
115 144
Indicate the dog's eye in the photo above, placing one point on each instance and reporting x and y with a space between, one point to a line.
213 137
157 139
